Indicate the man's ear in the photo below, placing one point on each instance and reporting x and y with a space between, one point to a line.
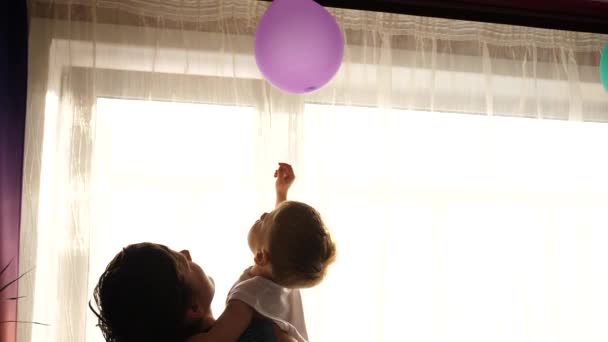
194 313
261 258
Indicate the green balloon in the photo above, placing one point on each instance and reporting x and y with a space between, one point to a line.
604 68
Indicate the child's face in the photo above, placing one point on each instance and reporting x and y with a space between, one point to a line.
259 234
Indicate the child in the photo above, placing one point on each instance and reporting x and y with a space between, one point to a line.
292 249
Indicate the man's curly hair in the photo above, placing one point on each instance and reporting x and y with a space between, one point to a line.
141 296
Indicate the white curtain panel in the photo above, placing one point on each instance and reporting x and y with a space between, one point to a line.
461 167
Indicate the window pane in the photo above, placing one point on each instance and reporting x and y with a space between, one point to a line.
458 227
178 174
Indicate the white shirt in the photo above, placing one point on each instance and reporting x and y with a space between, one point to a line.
277 303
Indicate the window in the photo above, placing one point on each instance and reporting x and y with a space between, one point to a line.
458 227
449 227
177 173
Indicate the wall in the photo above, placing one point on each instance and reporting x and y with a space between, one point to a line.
13 90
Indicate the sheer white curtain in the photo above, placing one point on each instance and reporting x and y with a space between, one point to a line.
460 166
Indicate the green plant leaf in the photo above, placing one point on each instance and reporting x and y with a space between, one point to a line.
5 267
13 281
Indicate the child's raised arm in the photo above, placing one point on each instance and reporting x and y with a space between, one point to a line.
285 177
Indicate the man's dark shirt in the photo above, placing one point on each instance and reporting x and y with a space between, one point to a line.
260 330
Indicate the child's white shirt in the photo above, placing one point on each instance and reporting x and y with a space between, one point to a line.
275 302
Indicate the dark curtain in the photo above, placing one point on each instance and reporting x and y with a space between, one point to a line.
13 93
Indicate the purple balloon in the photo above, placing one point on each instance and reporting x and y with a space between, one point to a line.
298 46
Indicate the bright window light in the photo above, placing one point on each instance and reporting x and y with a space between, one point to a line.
449 227
177 174
458 227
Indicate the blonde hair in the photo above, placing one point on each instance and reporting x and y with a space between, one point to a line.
300 246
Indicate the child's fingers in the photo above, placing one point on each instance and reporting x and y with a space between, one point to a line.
285 171
289 171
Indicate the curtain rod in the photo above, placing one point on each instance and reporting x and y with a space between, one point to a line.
583 16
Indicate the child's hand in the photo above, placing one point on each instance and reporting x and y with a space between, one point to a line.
285 177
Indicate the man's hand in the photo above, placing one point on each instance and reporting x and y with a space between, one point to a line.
285 177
